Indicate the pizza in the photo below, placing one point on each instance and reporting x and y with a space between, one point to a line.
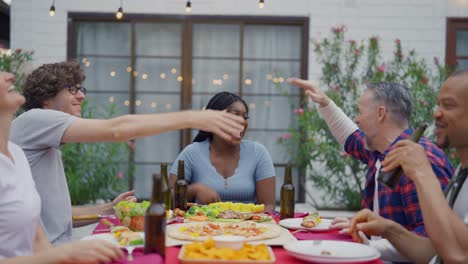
201 231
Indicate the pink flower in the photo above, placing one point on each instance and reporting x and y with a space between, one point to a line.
358 51
18 51
352 42
338 29
131 145
344 154
335 88
424 80
120 175
397 41
423 102
286 136
382 68
299 111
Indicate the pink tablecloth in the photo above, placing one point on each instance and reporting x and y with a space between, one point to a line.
281 254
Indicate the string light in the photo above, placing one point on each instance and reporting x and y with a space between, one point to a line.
261 3
52 9
119 13
188 6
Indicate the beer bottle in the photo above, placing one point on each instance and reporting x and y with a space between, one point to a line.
287 195
165 187
180 188
392 178
155 220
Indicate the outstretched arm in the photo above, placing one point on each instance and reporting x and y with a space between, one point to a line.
447 231
339 123
128 127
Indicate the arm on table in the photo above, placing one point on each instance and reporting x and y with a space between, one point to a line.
90 251
266 193
416 248
104 209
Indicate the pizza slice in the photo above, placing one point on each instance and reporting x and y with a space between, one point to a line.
311 220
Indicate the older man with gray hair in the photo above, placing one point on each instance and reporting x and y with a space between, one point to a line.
384 111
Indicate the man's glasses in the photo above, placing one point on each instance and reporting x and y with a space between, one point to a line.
74 89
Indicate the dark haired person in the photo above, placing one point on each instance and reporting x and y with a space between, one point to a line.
54 96
445 213
220 169
21 237
384 111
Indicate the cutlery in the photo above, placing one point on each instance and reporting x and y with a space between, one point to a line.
91 217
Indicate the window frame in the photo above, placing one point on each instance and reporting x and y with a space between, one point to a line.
453 25
187 23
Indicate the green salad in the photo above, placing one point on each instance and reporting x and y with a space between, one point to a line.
126 208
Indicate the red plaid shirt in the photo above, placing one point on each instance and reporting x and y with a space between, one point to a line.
400 204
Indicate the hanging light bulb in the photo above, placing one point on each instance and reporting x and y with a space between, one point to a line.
261 3
188 7
52 9
119 13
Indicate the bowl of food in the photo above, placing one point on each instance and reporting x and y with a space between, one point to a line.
132 214
226 241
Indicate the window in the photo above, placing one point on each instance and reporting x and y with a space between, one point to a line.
457 43
162 64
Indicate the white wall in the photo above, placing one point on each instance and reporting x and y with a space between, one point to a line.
419 24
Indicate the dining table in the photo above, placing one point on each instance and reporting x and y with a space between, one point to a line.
281 254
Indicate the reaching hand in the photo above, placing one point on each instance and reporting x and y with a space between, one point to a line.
126 196
340 223
312 90
369 223
226 125
88 251
206 195
411 157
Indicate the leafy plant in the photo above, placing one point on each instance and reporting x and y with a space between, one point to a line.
346 67
14 61
96 170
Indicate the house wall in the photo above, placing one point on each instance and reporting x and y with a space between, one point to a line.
419 24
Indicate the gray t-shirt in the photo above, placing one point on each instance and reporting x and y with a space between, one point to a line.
39 133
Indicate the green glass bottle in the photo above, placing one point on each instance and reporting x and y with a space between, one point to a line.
392 178
165 187
180 188
155 220
287 195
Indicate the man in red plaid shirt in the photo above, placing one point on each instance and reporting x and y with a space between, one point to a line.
384 111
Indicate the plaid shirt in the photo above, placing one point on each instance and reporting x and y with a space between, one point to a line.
400 204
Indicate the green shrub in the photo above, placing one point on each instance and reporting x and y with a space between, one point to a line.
96 170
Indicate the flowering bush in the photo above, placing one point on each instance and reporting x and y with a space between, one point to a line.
96 170
13 61
347 65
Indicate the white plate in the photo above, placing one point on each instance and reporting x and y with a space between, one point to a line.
340 251
110 238
295 223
